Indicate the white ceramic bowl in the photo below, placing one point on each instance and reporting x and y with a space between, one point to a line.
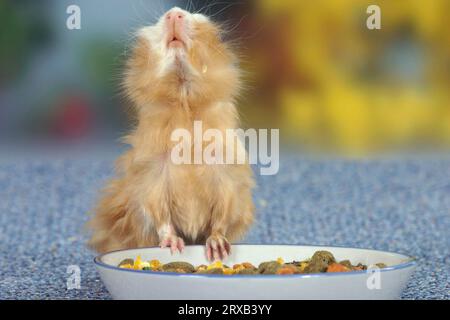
386 283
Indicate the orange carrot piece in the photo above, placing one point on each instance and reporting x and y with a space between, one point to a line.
337 267
285 270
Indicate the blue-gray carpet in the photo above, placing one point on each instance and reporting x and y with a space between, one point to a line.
398 205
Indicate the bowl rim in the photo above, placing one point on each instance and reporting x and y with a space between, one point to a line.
410 262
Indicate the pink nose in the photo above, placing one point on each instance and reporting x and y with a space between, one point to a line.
175 24
174 16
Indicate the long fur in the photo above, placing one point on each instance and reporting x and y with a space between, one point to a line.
170 90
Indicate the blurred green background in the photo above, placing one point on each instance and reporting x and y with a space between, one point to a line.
312 69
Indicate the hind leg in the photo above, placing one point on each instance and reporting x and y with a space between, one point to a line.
117 223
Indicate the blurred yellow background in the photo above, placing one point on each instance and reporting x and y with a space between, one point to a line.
333 84
312 69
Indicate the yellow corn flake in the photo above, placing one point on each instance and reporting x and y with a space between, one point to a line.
228 271
126 266
217 264
280 260
303 265
155 264
138 263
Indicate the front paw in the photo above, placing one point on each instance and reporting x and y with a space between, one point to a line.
217 248
174 242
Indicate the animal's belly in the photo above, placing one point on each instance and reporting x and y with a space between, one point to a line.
191 199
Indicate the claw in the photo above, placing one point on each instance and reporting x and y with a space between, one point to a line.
180 244
217 248
173 242
170 239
